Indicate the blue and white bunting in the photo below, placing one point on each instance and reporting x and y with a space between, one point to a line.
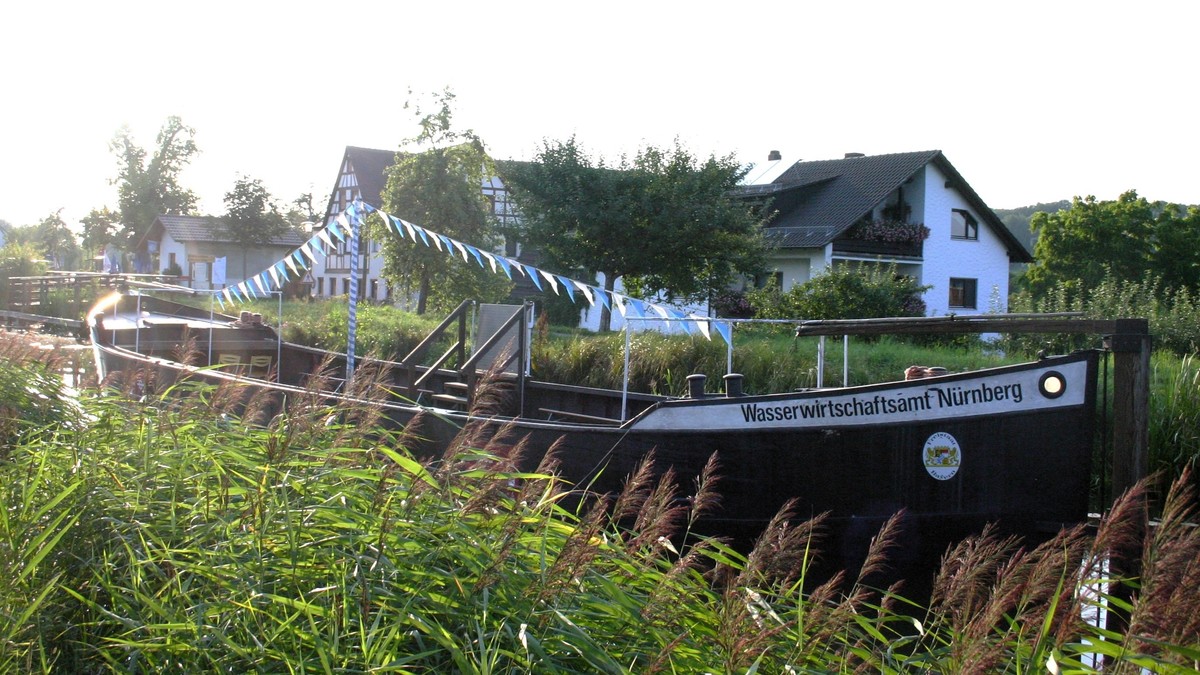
302 258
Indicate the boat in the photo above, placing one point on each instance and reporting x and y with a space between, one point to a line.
1010 445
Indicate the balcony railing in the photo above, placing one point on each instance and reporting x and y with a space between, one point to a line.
908 249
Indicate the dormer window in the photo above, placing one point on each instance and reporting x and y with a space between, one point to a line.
963 225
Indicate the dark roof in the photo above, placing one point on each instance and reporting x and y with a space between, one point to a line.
370 169
208 228
817 201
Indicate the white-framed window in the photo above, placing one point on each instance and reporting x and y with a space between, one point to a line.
963 225
963 293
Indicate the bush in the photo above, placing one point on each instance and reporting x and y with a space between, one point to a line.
860 291
1173 314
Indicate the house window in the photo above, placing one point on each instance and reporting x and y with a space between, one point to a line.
345 287
963 225
374 289
962 293
320 286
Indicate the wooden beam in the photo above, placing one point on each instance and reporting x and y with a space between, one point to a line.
1130 344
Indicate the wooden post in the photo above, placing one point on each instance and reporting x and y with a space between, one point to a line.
1130 344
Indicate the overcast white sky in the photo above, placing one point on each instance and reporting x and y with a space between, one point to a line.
1031 101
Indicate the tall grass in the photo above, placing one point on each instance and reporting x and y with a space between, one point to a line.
769 358
168 536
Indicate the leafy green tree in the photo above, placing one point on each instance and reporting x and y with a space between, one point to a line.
663 222
99 230
436 182
18 259
1176 256
149 187
302 210
49 240
251 217
1079 246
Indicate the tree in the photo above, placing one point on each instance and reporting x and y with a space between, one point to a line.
148 189
665 222
1176 258
437 182
99 230
301 210
50 240
251 217
1128 237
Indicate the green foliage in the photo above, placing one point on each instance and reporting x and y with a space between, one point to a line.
99 229
1174 415
1173 313
1126 238
149 187
843 292
165 536
1017 220
435 182
769 357
51 239
663 222
18 259
252 217
382 330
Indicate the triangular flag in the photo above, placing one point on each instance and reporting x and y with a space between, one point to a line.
603 295
567 285
506 266
291 265
307 251
638 307
619 301
475 252
247 290
259 283
395 223
425 236
281 270
274 276
345 229
325 238
659 311
461 248
411 232
587 292
218 298
533 276
725 330
228 296
299 260
549 277
491 260
437 238
701 324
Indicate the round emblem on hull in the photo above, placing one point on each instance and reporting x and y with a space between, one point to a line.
942 456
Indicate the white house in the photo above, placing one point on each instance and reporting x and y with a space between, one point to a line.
196 244
817 205
827 213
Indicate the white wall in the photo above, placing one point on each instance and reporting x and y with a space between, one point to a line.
168 246
985 259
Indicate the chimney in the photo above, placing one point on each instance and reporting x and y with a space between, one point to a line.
852 155
774 156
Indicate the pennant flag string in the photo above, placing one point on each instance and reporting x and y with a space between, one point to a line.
305 256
